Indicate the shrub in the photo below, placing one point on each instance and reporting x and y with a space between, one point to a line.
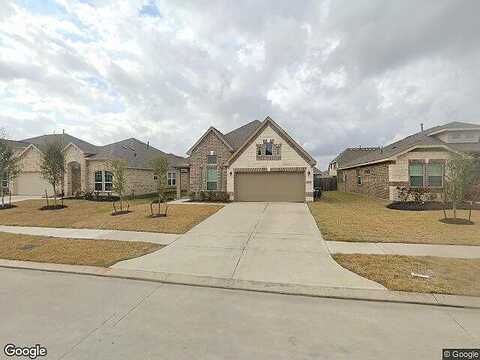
419 194
403 193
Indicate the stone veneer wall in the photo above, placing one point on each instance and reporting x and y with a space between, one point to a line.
198 162
375 180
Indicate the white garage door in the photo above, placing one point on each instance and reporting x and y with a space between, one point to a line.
32 184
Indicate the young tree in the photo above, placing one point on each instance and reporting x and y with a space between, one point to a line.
459 176
160 170
9 167
119 181
52 166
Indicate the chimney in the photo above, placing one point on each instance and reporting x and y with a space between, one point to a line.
421 126
148 144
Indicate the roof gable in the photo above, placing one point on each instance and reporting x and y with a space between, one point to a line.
43 140
210 130
282 133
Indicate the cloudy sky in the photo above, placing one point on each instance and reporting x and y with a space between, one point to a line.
333 73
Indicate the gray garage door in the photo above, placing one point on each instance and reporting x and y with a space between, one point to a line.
32 183
270 186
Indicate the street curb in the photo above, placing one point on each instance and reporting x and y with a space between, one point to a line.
255 286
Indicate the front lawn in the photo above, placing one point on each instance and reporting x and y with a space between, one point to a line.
352 217
97 215
102 253
447 275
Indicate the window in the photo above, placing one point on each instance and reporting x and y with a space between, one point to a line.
259 151
103 181
155 177
212 179
98 181
359 180
171 179
212 159
268 148
416 174
435 174
108 181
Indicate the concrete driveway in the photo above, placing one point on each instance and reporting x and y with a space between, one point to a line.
270 242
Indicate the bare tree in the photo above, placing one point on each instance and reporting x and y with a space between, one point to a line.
52 166
119 181
160 170
9 167
459 176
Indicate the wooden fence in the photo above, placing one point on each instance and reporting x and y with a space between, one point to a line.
326 184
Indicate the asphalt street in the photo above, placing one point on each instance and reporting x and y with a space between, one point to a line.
86 317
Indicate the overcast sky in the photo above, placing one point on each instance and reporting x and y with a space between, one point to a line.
332 73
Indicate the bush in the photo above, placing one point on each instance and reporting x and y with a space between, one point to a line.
210 196
418 195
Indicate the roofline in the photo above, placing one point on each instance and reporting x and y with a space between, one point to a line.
310 160
28 147
457 129
393 157
216 132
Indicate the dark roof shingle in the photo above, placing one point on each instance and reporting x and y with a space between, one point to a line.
137 153
41 141
237 137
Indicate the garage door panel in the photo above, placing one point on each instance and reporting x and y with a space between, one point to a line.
270 186
32 184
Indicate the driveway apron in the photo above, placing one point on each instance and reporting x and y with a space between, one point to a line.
269 242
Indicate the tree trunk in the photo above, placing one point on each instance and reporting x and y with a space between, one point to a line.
3 195
470 212
159 201
54 196
454 206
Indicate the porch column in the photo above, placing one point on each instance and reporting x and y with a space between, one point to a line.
178 179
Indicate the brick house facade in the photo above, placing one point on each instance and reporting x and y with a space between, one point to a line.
418 161
370 180
260 156
210 145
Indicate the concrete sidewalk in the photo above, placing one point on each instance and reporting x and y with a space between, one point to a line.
93 234
452 251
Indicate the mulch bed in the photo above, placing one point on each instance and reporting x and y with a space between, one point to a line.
7 206
53 207
123 212
427 206
457 221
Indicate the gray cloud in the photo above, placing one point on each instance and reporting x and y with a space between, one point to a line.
333 73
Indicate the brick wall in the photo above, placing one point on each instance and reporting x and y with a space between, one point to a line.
198 163
374 180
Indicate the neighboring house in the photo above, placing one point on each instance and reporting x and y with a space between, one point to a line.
256 162
416 161
87 166
347 156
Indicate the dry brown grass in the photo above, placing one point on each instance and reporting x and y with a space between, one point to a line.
83 214
449 276
102 253
351 217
